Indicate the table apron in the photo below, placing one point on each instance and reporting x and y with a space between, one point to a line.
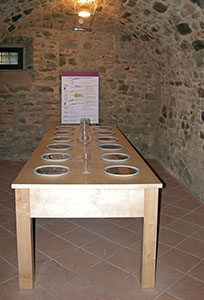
99 202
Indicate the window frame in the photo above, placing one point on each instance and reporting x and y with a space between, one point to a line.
20 65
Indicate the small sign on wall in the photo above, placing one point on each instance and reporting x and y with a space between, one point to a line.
79 97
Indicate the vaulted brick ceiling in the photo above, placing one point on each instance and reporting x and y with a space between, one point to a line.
158 24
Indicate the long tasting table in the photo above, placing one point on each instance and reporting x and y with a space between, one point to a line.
75 195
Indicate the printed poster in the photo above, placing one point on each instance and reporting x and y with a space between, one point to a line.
80 97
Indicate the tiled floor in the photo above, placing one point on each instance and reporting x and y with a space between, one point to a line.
99 259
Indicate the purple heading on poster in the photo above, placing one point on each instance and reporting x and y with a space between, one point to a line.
93 74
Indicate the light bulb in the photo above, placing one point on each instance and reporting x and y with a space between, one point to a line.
84 14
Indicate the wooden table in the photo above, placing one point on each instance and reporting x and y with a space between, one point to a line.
85 196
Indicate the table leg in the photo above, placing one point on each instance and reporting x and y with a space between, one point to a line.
149 238
24 226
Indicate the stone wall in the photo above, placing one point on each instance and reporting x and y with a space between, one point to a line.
129 87
179 143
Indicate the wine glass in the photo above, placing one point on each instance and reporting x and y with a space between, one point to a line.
85 136
85 120
84 132
84 123
86 159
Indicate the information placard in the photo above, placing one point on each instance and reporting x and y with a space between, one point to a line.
80 97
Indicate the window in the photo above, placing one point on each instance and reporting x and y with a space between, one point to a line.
11 58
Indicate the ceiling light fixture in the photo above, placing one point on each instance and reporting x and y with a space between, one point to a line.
84 13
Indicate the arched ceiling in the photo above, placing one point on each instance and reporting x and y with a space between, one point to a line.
159 24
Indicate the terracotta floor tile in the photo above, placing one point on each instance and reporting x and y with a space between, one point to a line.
9 171
170 237
172 182
123 222
6 215
12 259
101 227
199 235
5 176
104 275
40 259
188 288
9 203
183 227
4 195
188 203
105 297
167 188
166 276
192 246
198 271
10 226
200 209
75 289
80 236
130 290
122 248
193 198
162 248
170 199
179 260
103 248
10 291
180 191
175 211
137 246
60 226
6 271
166 177
124 237
82 221
165 220
194 218
6 184
44 296
78 260
166 296
43 221
153 163
42 235
2 209
52 274
4 234
136 226
127 260
162 205
8 247
56 247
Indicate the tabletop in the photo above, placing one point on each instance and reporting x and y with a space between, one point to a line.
28 179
